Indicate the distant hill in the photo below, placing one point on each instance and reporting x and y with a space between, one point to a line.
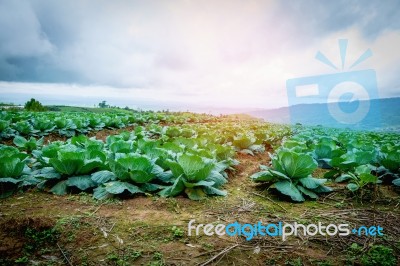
65 108
384 114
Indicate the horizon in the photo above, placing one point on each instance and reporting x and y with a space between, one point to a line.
190 53
174 107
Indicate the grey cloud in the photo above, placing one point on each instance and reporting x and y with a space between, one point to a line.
123 43
20 31
318 18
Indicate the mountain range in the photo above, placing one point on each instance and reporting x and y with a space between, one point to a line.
381 114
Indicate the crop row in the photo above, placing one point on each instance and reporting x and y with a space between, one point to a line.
360 159
169 160
74 123
193 158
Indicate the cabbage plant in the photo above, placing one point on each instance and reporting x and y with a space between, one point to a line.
71 168
129 172
361 178
12 169
27 145
291 175
195 176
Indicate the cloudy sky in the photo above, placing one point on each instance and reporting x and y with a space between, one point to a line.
222 53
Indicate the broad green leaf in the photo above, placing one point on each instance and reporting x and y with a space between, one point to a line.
344 177
279 175
71 152
331 174
263 176
118 169
67 167
365 157
150 187
391 165
198 184
9 180
297 165
311 182
166 177
103 176
122 146
307 192
287 188
101 193
139 176
322 189
368 178
172 147
221 166
195 193
194 167
177 187
90 166
117 187
136 163
353 187
132 188
214 191
243 141
323 151
20 141
396 182
60 188
391 161
174 189
82 182
48 173
28 181
364 169
217 178
176 169
11 166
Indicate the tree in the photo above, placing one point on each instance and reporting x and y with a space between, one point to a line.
103 104
33 105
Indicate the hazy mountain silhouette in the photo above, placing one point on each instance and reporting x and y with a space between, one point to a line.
384 114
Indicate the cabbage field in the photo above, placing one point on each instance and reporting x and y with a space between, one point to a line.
198 164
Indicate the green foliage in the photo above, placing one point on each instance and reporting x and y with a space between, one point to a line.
37 239
291 175
194 175
376 255
13 170
353 252
27 145
379 255
22 260
191 156
34 105
360 179
124 257
246 143
103 104
294 262
177 232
